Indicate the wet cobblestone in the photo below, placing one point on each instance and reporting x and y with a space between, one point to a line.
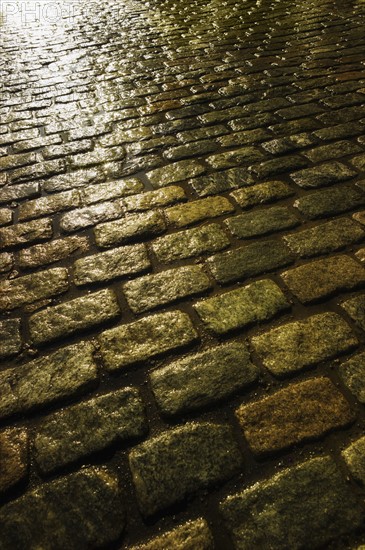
182 257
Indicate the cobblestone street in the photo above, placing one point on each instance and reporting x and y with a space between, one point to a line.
182 259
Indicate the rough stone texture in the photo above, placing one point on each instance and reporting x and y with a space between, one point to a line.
355 308
48 253
13 457
324 238
302 507
74 316
220 182
177 171
353 375
64 373
293 346
180 461
244 306
154 199
329 202
105 266
189 536
190 243
6 216
49 205
322 278
143 339
152 291
29 288
249 260
132 227
10 342
261 222
262 193
25 233
82 510
90 215
298 413
110 190
78 431
220 371
191 212
325 174
354 456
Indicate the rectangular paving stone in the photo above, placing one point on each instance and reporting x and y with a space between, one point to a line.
30 288
241 307
262 193
132 227
354 456
151 291
6 216
146 338
73 316
82 218
262 222
38 171
221 371
292 347
306 506
73 180
220 182
65 437
49 205
14 445
355 308
273 167
181 461
246 137
177 171
288 144
298 413
193 534
190 243
65 373
80 510
105 266
322 278
19 192
334 150
238 157
154 199
25 233
10 342
195 211
338 131
250 260
6 262
353 376
9 162
329 202
325 174
324 238
102 192
53 251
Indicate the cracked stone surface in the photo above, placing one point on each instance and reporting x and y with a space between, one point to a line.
182 255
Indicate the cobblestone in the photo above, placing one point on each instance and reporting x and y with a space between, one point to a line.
220 182
192 212
354 456
53 251
45 206
132 227
109 265
221 371
352 374
92 495
154 199
175 172
65 373
89 216
262 193
14 457
294 346
143 339
325 174
25 233
30 288
174 464
244 306
190 535
116 416
73 316
293 415
301 516
329 202
324 238
355 308
190 243
322 278
11 342
151 291
262 222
